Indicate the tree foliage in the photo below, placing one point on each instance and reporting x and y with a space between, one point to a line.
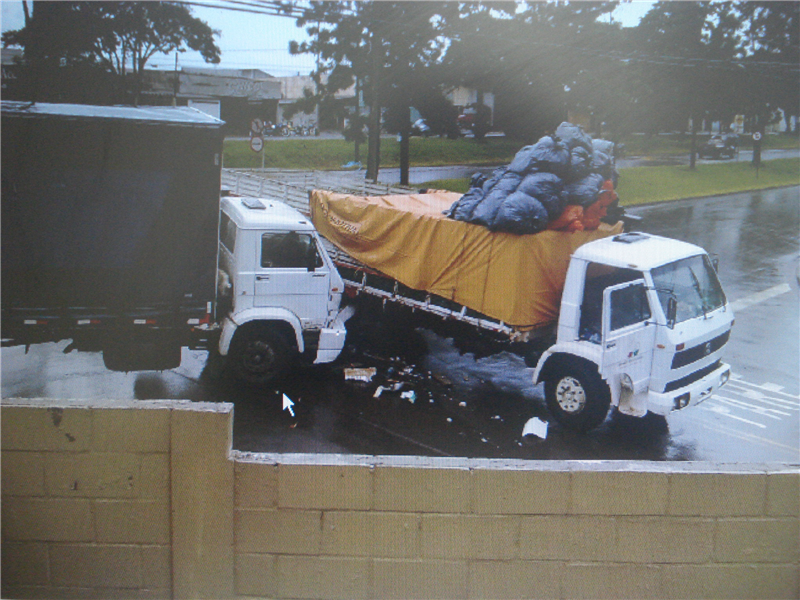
771 35
530 56
391 48
67 45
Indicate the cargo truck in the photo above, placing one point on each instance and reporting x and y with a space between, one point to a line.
605 318
114 237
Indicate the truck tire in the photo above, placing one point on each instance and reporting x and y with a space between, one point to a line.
259 355
576 395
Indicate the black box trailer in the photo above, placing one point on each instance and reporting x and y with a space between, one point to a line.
109 224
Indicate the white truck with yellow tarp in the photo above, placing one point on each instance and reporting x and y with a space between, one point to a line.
606 318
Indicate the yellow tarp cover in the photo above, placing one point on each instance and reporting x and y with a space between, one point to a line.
517 279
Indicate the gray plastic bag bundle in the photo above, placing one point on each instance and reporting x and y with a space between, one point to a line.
462 209
603 159
585 191
547 155
486 211
520 214
573 135
497 174
580 164
548 189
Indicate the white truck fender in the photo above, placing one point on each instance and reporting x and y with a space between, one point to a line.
591 355
233 322
572 349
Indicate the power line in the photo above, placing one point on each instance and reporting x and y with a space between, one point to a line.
275 9
293 10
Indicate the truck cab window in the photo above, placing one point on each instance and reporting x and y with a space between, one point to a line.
598 278
289 250
693 282
629 306
227 232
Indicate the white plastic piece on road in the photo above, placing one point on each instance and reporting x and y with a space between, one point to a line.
410 396
535 426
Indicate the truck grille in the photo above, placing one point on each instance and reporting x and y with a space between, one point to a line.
692 377
695 353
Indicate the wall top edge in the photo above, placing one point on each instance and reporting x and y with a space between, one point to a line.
83 404
471 464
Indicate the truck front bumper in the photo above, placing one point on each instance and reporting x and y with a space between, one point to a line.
689 395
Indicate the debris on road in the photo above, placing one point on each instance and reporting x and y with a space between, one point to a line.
535 426
364 375
442 380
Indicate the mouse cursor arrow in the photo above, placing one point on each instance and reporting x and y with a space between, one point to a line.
288 404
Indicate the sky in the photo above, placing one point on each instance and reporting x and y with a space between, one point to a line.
253 41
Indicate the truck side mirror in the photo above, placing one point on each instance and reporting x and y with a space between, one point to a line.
672 312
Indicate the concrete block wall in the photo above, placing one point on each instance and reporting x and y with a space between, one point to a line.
404 527
147 500
116 499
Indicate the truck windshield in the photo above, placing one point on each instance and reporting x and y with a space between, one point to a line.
694 284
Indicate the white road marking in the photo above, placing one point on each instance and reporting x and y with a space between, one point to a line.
757 396
762 296
756 409
738 380
725 412
772 387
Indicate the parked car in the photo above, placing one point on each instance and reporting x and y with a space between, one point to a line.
421 128
720 146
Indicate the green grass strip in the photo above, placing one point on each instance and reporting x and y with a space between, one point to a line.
314 154
643 185
326 154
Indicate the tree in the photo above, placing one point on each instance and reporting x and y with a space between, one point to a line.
104 37
771 32
689 52
384 46
531 56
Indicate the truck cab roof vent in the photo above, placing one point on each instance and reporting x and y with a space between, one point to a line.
630 237
253 204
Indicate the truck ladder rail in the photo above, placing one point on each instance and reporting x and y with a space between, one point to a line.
292 187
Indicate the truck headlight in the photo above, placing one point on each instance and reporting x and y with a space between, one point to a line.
681 401
626 382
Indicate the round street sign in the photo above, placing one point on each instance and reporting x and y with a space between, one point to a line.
256 143
757 136
256 125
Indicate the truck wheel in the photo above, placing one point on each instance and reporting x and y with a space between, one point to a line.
577 396
259 356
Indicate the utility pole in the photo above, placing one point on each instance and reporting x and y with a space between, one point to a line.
175 83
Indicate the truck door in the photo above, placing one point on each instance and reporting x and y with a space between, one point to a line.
291 274
628 337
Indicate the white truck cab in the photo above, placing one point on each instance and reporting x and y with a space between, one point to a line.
278 290
642 324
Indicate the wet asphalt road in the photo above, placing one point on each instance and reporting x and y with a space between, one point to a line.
465 405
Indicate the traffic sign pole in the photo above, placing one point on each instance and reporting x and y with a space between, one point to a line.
757 151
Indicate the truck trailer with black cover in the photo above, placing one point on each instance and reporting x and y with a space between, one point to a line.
110 239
